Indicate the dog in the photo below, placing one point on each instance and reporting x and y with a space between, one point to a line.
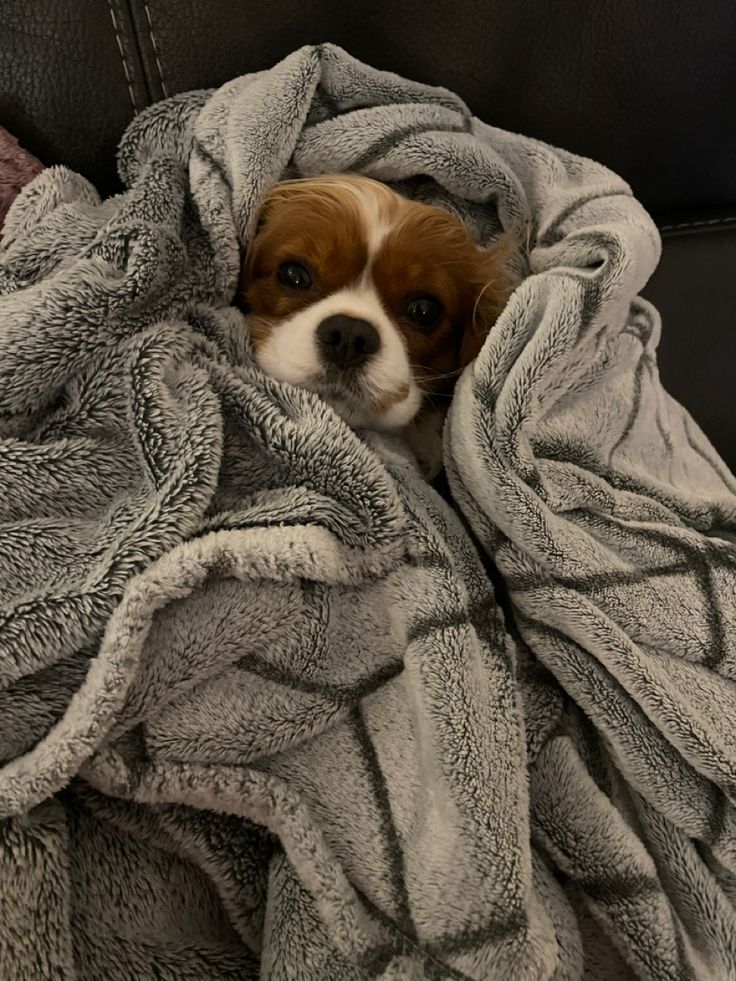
373 301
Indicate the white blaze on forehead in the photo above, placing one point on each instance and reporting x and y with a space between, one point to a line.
376 204
376 223
290 354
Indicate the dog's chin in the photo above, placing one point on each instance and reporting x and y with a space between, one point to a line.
348 402
350 395
354 414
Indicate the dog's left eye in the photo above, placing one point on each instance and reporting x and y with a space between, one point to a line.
425 311
294 276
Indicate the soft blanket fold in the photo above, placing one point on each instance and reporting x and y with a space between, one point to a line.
260 714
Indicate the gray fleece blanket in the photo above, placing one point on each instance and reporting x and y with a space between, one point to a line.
260 713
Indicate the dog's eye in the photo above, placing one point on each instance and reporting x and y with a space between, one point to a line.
294 276
425 311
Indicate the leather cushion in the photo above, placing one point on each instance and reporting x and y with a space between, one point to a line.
647 88
694 288
65 91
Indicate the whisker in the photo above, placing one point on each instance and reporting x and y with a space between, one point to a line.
430 377
431 399
491 282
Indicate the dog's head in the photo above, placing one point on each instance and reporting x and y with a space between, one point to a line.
373 301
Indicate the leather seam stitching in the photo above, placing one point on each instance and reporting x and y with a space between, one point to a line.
155 49
698 224
121 49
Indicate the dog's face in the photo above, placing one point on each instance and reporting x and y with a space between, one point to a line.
372 301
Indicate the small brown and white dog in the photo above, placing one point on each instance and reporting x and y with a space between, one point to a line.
373 301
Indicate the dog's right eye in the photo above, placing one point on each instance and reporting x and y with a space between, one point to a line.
294 277
426 312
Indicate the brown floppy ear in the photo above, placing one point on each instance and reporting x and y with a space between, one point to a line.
277 194
494 282
248 259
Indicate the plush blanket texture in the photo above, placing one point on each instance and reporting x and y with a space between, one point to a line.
260 712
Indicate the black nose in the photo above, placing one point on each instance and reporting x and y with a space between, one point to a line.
347 342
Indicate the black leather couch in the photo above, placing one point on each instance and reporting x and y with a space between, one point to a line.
646 86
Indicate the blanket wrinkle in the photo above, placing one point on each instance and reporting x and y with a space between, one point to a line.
272 707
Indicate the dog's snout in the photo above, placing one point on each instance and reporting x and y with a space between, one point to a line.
347 342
